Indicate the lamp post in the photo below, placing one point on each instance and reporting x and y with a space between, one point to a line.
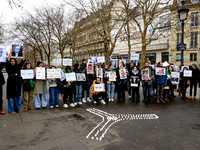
182 13
70 45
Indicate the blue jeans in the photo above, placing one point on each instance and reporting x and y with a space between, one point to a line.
54 96
110 90
11 104
195 88
78 94
43 97
145 87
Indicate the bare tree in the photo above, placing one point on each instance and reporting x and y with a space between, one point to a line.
1 31
15 3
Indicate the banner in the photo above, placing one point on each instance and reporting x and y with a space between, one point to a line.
53 73
27 74
40 73
135 56
70 76
175 77
67 62
98 87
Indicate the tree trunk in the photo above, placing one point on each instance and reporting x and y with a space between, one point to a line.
106 51
129 41
49 61
143 54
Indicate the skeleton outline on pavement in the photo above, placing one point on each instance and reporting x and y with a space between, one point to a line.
104 125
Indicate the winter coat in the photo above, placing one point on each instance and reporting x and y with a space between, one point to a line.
121 84
38 86
136 74
151 75
183 82
14 80
2 81
92 88
161 79
195 76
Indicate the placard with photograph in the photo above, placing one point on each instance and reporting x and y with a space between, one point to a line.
17 51
135 56
40 73
175 77
145 74
90 61
94 59
63 76
113 62
70 76
3 55
27 74
67 62
90 68
54 73
122 63
98 87
112 76
80 77
160 71
99 72
187 73
101 59
134 82
106 74
122 73
184 67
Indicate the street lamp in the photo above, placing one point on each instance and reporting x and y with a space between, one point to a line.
182 13
70 45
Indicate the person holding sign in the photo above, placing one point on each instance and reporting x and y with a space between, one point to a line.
184 84
40 89
28 87
13 83
97 94
194 80
135 75
161 81
53 91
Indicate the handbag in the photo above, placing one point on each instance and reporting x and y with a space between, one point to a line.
188 81
166 88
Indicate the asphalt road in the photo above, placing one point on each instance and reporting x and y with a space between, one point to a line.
177 128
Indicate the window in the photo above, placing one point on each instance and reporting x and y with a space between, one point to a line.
193 57
195 1
165 56
193 40
178 38
194 19
178 57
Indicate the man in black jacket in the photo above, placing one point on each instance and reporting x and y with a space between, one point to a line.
2 82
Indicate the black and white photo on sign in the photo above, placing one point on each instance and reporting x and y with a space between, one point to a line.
17 51
187 73
101 59
80 77
122 63
134 81
67 62
63 76
99 72
3 55
70 77
94 59
113 62
175 77
112 76
98 87
184 67
27 74
40 73
53 73
90 68
135 56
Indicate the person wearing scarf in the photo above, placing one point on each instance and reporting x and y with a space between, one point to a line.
28 87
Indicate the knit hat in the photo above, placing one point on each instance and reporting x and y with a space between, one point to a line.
194 65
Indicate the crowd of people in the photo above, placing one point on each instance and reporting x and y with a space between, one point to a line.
121 78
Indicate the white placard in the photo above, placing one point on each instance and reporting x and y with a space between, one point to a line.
160 71
67 62
112 76
53 73
63 76
184 67
175 77
135 56
40 73
94 59
187 73
70 76
122 73
27 74
3 55
80 77
101 59
98 87
99 72
90 68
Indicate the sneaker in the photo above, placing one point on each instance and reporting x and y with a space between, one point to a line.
102 102
190 97
30 108
109 99
83 100
25 109
65 105
80 103
129 97
51 107
57 106
71 105
88 99
95 102
75 103
112 99
195 97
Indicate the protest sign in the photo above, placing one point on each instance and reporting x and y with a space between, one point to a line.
160 71
112 76
175 77
40 73
27 74
99 72
135 56
63 76
67 62
90 68
94 59
3 55
53 73
17 51
98 87
113 62
70 76
145 74
182 67
122 73
187 73
134 82
101 59
80 77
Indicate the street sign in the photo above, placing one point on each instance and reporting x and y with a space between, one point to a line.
119 57
113 57
181 47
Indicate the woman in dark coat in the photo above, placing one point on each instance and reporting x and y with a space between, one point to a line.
2 82
13 83
184 84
